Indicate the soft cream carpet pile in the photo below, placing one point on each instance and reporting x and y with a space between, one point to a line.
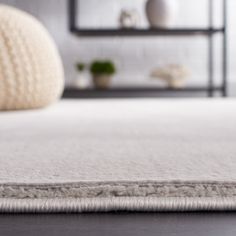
103 155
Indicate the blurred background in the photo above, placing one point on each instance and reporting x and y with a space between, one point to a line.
139 61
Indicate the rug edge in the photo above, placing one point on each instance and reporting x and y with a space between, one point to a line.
140 204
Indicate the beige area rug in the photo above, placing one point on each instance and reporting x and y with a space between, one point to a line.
106 155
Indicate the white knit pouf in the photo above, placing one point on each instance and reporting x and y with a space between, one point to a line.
31 71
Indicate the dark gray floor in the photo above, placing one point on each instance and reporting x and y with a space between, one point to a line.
120 224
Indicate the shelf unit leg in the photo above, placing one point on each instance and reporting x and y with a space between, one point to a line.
210 52
210 67
225 60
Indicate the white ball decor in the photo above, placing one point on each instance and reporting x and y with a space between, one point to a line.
31 71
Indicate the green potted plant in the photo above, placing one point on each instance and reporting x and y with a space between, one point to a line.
82 80
102 72
80 66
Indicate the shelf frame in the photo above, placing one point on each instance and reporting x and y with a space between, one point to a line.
209 32
83 32
119 92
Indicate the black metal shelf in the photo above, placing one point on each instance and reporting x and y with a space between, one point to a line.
134 91
209 32
146 32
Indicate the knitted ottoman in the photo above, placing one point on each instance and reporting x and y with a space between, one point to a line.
31 72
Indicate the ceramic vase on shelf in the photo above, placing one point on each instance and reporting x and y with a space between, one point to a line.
82 81
161 13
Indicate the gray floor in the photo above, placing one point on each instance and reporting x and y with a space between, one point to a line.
120 224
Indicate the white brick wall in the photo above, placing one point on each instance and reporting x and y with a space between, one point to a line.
135 57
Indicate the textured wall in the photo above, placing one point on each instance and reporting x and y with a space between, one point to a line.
135 57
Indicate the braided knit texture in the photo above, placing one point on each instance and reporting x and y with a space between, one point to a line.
31 71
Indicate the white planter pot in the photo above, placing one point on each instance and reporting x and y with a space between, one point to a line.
161 13
82 81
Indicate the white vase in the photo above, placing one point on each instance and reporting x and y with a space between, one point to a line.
82 81
161 13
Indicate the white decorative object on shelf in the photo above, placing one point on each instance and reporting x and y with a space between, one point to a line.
161 13
82 81
129 19
174 75
31 72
